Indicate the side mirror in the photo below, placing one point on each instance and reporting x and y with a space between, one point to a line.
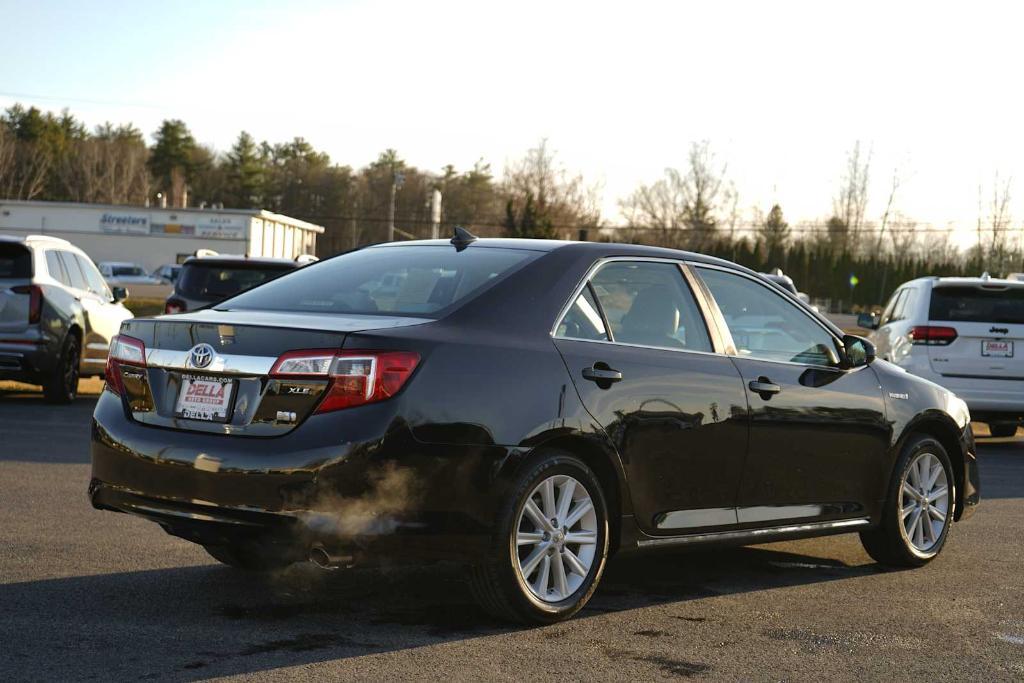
857 351
868 321
120 294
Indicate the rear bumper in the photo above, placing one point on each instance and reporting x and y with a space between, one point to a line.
24 357
355 484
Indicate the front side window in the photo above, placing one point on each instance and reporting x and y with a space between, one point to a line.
73 270
765 325
92 277
890 307
649 304
904 305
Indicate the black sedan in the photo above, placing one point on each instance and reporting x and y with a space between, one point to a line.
526 407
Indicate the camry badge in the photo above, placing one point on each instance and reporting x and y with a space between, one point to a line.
200 356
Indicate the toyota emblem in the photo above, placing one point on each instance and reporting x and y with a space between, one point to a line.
200 356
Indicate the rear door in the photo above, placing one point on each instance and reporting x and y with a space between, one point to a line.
103 317
975 331
641 357
818 432
15 275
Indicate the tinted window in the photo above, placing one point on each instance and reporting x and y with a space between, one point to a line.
216 281
15 261
413 280
904 305
649 304
56 268
764 324
126 270
92 276
583 320
976 304
73 271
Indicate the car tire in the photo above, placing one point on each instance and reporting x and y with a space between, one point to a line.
1002 429
61 385
531 572
247 559
911 534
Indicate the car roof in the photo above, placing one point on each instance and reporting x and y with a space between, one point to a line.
974 281
598 249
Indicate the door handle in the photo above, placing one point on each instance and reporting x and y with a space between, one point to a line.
604 376
764 387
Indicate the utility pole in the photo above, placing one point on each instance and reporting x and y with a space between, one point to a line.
396 182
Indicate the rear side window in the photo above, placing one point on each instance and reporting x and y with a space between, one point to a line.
56 268
15 261
978 304
216 281
404 280
583 320
649 304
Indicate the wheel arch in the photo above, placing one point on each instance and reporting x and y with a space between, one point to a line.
943 429
606 465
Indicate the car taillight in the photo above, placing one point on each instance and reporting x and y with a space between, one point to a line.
174 306
124 350
930 335
355 377
35 301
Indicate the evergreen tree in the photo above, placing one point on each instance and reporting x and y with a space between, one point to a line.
245 166
172 160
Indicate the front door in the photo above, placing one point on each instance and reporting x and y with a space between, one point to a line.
640 356
818 433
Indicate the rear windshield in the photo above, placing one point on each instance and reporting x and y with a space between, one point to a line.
15 261
413 280
977 305
216 281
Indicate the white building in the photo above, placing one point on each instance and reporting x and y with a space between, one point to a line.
153 237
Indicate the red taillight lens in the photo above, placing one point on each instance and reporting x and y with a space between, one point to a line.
35 301
355 377
930 335
174 306
124 350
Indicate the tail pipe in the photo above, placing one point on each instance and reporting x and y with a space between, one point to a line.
323 558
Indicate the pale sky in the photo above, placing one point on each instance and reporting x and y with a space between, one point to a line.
781 90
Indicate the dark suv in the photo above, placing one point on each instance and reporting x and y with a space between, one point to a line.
205 280
57 314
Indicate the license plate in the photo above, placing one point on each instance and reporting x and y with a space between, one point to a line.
204 398
993 347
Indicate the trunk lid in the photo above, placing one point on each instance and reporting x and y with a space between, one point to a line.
231 375
989 321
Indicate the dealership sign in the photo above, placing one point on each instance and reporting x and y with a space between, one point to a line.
125 223
224 227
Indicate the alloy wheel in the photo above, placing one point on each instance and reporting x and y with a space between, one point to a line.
924 502
556 538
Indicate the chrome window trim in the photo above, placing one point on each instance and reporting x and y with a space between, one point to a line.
601 262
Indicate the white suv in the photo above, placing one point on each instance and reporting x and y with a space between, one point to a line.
964 334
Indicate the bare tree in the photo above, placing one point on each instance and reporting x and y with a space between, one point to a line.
887 214
689 200
850 203
998 223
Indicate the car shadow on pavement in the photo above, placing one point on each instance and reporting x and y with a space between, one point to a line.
201 621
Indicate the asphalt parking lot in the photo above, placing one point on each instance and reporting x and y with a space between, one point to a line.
95 595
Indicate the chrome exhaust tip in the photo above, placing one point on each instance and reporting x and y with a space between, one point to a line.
319 556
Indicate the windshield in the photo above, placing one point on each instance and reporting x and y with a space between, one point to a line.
413 280
977 304
216 281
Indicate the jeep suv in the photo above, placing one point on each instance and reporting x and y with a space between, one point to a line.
961 333
57 315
